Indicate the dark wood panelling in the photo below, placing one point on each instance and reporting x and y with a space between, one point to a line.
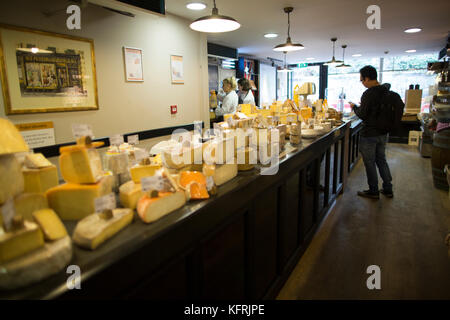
306 217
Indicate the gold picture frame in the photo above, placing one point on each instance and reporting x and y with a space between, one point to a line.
43 71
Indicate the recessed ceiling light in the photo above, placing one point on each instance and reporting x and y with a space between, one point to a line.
196 6
410 51
271 35
356 55
310 58
413 30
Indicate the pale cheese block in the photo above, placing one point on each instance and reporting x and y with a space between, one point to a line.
51 225
141 171
12 182
219 151
27 203
178 158
80 164
246 159
40 180
11 141
36 161
37 265
151 209
75 201
116 162
16 243
129 194
96 228
224 173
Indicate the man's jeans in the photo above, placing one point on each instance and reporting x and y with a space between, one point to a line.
373 153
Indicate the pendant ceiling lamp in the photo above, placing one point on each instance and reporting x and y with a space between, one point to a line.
343 65
215 23
333 61
285 68
289 46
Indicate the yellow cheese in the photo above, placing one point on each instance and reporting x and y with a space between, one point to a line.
40 180
221 173
177 158
16 243
75 201
246 108
80 164
141 171
246 159
129 194
151 209
26 203
97 228
11 141
50 224
36 161
12 180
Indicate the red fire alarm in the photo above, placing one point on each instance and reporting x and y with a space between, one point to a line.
173 109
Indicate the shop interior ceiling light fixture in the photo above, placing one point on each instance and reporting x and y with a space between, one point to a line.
310 58
285 68
413 30
343 65
271 35
215 23
356 55
196 6
333 61
289 46
410 51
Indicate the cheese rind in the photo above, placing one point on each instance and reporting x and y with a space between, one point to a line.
40 180
80 164
151 209
142 171
95 229
129 194
11 141
27 203
51 225
76 201
36 161
12 179
19 242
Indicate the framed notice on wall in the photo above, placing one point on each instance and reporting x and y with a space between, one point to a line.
46 72
133 64
176 69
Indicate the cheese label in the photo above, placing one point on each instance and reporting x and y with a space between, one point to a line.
8 213
116 140
230 122
134 139
276 118
82 130
104 203
155 182
140 154
209 182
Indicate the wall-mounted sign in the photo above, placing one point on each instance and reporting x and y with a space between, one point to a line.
302 65
176 68
37 134
133 64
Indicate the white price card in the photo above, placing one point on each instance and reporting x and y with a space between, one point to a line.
276 118
140 154
104 203
230 122
155 182
134 139
209 183
82 130
116 140
8 213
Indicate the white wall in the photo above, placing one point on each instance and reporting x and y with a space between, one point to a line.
125 107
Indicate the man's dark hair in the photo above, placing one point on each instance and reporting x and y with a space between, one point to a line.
245 84
368 72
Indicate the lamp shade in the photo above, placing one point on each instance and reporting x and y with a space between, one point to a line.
215 23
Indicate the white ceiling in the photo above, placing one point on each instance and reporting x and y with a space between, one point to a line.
315 22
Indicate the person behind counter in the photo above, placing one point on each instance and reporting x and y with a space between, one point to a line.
245 92
372 141
228 97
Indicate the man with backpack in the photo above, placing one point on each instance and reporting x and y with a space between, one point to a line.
381 112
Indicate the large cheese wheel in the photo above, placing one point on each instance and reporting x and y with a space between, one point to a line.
151 209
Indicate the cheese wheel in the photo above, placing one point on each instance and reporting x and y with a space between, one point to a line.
80 164
151 209
129 194
51 225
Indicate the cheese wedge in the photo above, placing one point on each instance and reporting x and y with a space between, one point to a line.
96 228
12 182
80 164
194 183
151 209
222 173
36 265
129 194
141 171
18 242
27 203
178 158
50 224
36 161
11 141
40 180
76 201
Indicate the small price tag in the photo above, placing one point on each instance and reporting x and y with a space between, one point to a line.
82 130
230 122
134 139
116 140
8 213
276 119
104 203
140 154
209 183
155 182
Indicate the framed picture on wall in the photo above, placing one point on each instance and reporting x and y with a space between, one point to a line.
176 68
133 64
46 72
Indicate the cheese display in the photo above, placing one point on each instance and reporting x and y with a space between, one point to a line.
27 203
75 201
81 163
195 183
223 173
141 171
96 228
11 141
246 159
51 225
177 157
40 180
129 194
151 209
12 179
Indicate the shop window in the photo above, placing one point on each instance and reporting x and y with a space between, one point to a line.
307 74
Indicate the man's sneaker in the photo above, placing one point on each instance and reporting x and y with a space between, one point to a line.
388 194
369 194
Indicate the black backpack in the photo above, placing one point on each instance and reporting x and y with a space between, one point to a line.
390 112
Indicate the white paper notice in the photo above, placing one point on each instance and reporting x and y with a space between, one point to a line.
155 182
134 139
82 130
104 203
37 134
116 140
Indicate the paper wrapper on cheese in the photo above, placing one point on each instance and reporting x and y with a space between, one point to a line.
12 183
151 209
